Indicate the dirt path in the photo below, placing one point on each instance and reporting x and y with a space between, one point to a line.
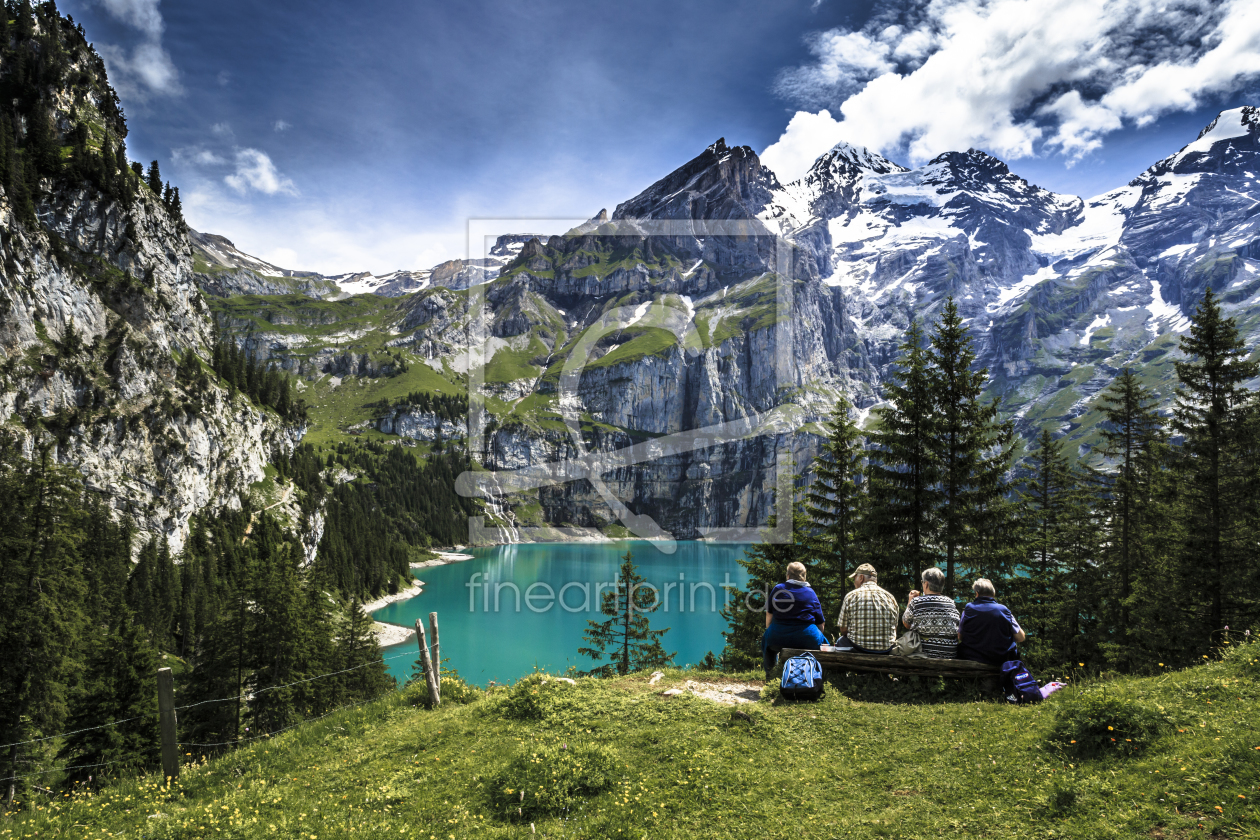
285 492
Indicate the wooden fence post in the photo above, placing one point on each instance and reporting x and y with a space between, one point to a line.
168 723
437 654
430 679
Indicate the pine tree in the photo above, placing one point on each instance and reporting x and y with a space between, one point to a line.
903 525
290 635
275 634
25 21
42 142
1038 594
1211 414
357 649
153 592
155 179
218 678
970 445
42 593
1131 431
120 685
626 637
1077 629
836 503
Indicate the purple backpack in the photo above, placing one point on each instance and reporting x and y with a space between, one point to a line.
1018 685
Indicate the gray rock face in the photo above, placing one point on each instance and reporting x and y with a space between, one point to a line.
410 422
222 270
104 313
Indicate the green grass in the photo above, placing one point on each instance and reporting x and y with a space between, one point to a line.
202 267
324 323
649 341
509 365
536 411
335 408
615 759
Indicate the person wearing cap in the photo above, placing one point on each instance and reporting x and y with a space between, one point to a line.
934 616
987 632
868 616
794 618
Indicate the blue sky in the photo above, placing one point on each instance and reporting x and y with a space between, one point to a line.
333 137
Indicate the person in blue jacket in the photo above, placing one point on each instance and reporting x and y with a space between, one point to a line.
794 618
987 632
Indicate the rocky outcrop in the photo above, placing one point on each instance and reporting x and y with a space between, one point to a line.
409 422
98 304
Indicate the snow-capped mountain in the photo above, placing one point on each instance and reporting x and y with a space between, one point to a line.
224 270
1060 293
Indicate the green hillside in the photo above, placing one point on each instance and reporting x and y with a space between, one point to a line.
614 758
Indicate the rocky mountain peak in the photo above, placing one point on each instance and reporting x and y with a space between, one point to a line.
510 244
971 170
848 156
720 183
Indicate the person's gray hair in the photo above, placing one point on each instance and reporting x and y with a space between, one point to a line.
934 579
796 571
983 587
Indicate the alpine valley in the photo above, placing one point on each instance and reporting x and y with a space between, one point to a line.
825 274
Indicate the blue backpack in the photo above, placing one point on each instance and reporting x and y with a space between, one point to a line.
1018 685
802 678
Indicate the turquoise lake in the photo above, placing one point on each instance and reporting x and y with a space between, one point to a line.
504 641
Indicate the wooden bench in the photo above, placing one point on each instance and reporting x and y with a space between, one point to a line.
898 665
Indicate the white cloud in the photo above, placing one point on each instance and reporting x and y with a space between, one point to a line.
845 60
1016 77
255 171
281 125
222 129
142 14
147 67
198 156
282 257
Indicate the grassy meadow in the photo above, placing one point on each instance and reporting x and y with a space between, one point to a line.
1173 755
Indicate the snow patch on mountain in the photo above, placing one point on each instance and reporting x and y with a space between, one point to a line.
1226 126
1162 311
1027 283
1101 225
915 187
1097 324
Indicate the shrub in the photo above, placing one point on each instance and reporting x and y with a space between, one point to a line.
549 779
534 697
453 690
1095 724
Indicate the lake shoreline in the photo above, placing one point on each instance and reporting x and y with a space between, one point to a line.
444 558
392 634
388 635
417 587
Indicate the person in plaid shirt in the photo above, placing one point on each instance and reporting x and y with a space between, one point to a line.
868 616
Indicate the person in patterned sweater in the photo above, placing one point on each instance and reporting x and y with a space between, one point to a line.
868 616
934 616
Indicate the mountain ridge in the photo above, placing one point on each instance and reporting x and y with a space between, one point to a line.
1060 293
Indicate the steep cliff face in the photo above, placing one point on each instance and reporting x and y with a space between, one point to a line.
98 309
